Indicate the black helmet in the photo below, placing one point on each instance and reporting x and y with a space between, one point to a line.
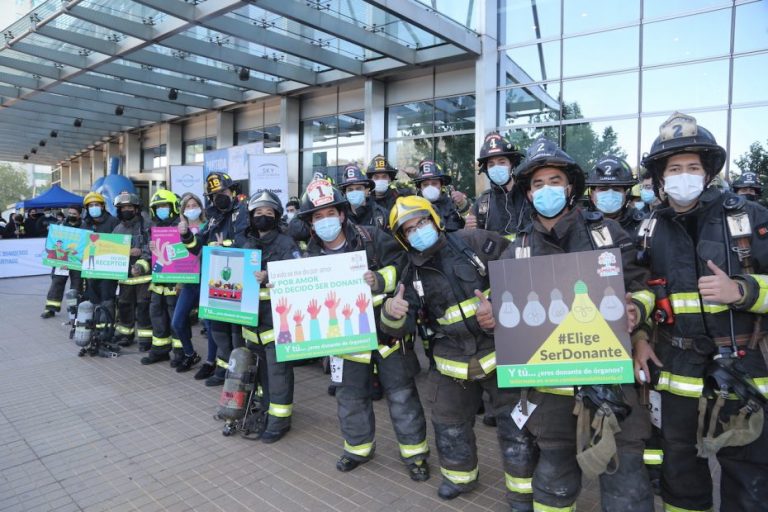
681 134
126 198
612 395
320 194
496 145
352 175
380 164
429 170
293 201
728 373
748 180
611 170
217 182
545 153
265 198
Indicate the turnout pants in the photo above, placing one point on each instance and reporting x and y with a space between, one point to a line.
355 406
58 285
102 292
226 336
162 303
133 312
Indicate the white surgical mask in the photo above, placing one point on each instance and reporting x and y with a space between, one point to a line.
290 215
380 186
431 192
684 188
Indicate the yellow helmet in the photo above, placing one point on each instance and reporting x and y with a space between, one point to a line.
407 208
163 196
94 197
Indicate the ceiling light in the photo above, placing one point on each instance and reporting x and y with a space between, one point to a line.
173 93
119 110
78 122
244 74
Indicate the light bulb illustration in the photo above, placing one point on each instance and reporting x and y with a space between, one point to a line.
558 309
509 315
611 306
583 308
534 313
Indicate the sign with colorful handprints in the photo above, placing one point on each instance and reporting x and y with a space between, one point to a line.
321 306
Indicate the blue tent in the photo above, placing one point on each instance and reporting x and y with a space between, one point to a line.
54 197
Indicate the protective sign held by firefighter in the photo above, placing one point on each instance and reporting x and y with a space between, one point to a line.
561 320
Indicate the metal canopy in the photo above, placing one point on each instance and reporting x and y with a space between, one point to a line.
119 65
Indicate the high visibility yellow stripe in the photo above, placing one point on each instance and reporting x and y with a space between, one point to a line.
250 335
221 363
511 237
176 343
647 299
680 385
672 508
136 280
191 244
488 363
280 410
409 450
468 307
144 333
460 477
267 336
378 300
143 264
389 274
653 457
361 450
450 368
121 329
518 485
761 383
385 351
54 303
761 304
540 507
264 293
160 342
554 390
690 302
359 357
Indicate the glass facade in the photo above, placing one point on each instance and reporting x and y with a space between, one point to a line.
193 149
269 135
154 158
329 144
600 76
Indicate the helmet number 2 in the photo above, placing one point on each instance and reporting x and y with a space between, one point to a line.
677 130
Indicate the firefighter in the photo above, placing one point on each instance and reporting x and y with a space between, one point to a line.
447 278
164 210
708 250
610 183
133 296
326 209
503 207
59 275
553 182
291 209
227 223
431 182
99 220
385 189
364 210
264 234
748 185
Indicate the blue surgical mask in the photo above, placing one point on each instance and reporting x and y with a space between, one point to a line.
499 174
356 197
94 211
380 186
639 205
192 213
647 195
549 201
423 238
163 213
328 228
609 201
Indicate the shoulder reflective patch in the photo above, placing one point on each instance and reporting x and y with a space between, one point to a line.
489 246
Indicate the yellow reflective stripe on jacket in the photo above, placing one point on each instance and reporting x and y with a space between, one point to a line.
647 299
191 244
511 237
250 335
518 485
160 342
143 264
144 333
450 368
761 383
378 300
554 390
386 351
488 363
136 280
653 457
121 329
389 274
280 410
761 303
460 477
221 363
162 289
672 508
358 357
540 507
361 450
679 385
690 302
263 293
267 337
176 343
409 450
468 307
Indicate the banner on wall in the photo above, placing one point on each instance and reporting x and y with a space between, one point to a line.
269 172
22 257
561 320
187 178
232 160
171 261
229 291
321 306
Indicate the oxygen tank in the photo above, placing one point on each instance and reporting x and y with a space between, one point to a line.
83 323
70 299
238 384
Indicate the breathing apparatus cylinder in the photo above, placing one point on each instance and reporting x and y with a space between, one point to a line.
238 384
83 323
70 299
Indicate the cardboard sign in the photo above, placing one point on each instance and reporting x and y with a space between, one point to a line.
229 291
321 306
106 256
65 246
561 320
171 261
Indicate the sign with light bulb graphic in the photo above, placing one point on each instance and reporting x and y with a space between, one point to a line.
561 320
